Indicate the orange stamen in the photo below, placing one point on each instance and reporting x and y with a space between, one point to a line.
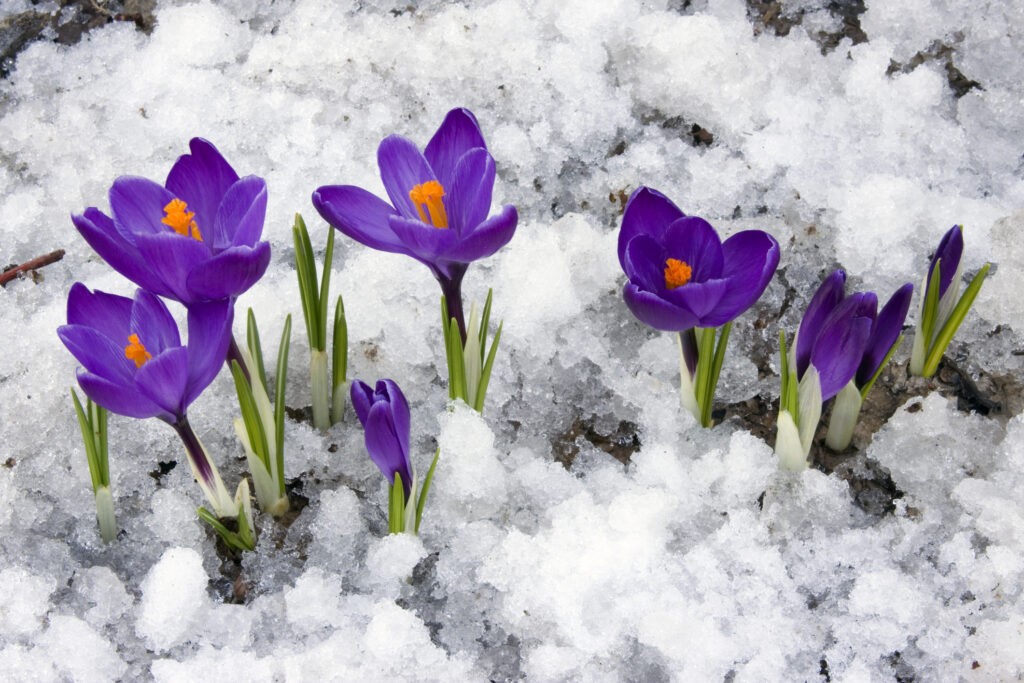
135 351
179 218
429 194
677 273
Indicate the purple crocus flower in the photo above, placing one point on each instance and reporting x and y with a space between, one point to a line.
440 200
384 414
834 333
681 275
951 248
135 364
196 238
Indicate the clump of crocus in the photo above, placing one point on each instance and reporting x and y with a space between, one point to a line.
328 387
135 365
193 239
440 200
384 414
683 278
828 350
941 312
882 342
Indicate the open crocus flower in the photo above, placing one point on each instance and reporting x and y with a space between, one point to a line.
196 238
439 204
681 275
384 414
135 364
683 278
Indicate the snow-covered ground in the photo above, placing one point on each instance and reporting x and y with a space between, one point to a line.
699 560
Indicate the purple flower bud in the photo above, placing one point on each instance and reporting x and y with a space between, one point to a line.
951 248
884 332
384 414
681 275
194 239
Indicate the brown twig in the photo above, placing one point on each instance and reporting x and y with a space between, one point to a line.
38 262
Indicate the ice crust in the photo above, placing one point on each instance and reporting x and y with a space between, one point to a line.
697 561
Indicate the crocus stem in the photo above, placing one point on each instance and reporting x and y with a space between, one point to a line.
451 288
204 470
234 353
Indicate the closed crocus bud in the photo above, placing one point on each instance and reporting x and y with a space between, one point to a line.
384 414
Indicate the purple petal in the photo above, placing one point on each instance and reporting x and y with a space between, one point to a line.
654 311
824 301
700 298
693 241
648 212
384 447
884 332
468 196
360 215
402 167
107 313
201 179
241 214
645 264
209 334
123 256
362 399
119 398
951 248
458 134
389 391
99 354
172 257
138 207
487 238
840 346
229 273
422 241
163 380
154 324
751 258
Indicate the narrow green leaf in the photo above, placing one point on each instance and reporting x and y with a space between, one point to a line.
230 537
716 366
339 344
705 361
885 361
485 320
99 427
325 286
252 338
245 537
250 415
931 307
784 369
485 374
953 323
90 444
793 397
426 488
458 366
449 353
280 383
306 271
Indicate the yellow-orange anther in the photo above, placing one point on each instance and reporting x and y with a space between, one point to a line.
136 351
429 194
179 218
677 273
